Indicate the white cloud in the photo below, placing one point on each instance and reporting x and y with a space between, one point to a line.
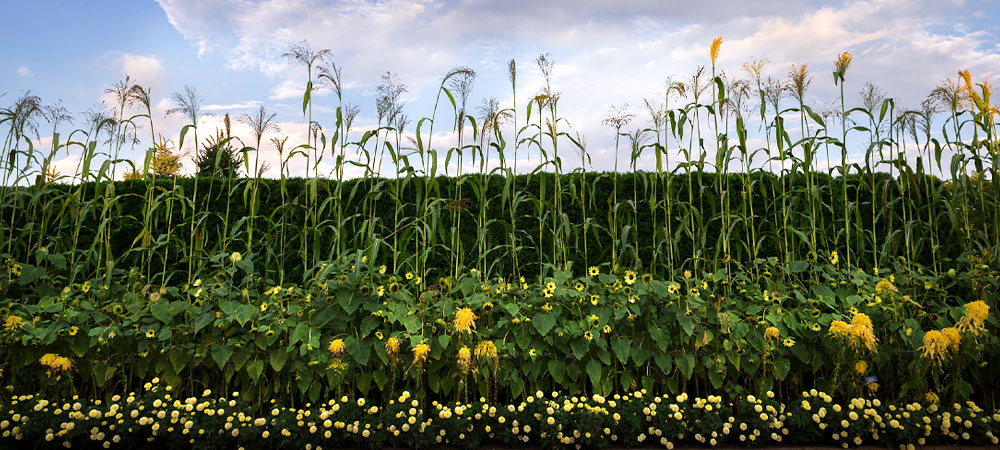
145 70
24 71
606 53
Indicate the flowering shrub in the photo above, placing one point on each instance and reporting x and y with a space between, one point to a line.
157 417
355 328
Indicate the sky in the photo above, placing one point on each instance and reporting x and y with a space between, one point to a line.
607 54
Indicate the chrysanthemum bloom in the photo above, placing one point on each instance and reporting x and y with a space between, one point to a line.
464 358
487 349
420 352
772 332
13 323
884 286
392 347
861 367
337 347
935 346
465 320
953 337
975 317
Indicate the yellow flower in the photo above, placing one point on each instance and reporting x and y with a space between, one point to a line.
381 269
337 347
673 288
73 330
465 320
714 50
380 291
593 271
409 275
594 299
884 286
630 277
788 342
873 387
487 349
13 323
839 329
772 332
935 346
861 367
842 62
931 397
954 338
694 292
975 317
235 257
464 358
588 335
392 346
150 333
420 352
834 258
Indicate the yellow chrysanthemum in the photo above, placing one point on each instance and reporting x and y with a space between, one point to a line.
392 346
935 346
839 329
884 286
13 323
772 332
975 317
420 352
464 358
337 347
953 337
487 349
465 320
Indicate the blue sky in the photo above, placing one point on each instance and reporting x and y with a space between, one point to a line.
606 53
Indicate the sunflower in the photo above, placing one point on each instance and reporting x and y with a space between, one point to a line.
150 333
594 299
646 278
673 288
630 277
588 335
593 271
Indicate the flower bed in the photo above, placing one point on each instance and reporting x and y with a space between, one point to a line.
157 418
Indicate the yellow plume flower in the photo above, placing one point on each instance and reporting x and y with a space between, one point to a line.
714 51
842 62
772 332
465 320
487 349
464 358
337 347
975 317
420 352
13 323
935 347
392 346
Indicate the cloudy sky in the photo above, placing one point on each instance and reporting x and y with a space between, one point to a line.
606 53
